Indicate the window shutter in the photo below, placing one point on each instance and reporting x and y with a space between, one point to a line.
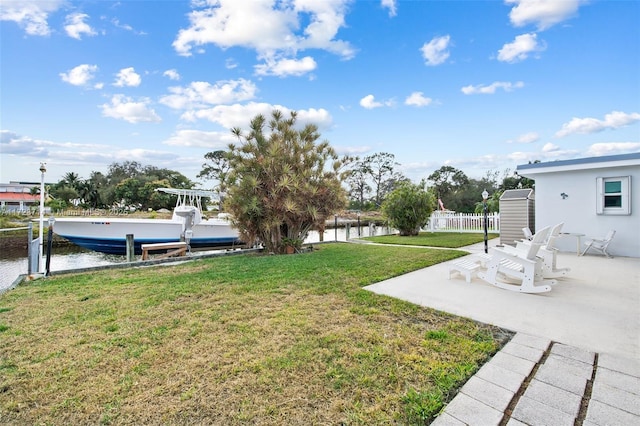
599 196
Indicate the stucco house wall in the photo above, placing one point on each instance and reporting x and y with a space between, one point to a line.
578 208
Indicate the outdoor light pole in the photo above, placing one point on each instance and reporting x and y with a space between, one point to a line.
485 195
43 169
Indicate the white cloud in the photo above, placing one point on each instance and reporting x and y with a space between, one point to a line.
172 74
127 77
230 64
198 138
391 5
369 102
80 75
612 120
613 148
15 144
520 48
30 15
352 150
200 94
124 108
491 89
543 13
238 115
268 27
435 52
126 27
526 138
549 147
75 26
418 99
285 67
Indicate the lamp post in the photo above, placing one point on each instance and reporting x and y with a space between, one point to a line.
43 169
485 195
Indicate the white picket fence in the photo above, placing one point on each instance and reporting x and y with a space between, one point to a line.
462 222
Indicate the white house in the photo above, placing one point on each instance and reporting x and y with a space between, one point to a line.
591 196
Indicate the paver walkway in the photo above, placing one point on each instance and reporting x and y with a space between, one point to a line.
533 381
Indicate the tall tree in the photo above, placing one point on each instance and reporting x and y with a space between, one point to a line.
282 182
359 187
381 168
216 168
447 182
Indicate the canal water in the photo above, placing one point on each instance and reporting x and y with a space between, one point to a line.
13 261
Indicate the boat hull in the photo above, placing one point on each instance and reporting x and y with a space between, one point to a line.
109 235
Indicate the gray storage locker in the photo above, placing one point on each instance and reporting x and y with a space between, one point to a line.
517 211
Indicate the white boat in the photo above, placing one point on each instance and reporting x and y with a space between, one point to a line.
109 235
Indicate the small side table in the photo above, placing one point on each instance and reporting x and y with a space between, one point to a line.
578 236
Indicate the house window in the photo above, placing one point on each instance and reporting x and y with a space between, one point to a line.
614 195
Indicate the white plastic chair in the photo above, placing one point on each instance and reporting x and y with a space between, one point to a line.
528 235
600 244
548 253
519 270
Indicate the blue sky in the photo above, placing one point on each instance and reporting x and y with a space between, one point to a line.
478 85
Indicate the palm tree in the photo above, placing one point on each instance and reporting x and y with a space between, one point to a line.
281 184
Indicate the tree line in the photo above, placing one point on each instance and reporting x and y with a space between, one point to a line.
128 184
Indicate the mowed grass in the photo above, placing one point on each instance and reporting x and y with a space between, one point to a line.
251 339
433 239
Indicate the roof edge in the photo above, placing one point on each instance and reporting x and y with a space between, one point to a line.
580 164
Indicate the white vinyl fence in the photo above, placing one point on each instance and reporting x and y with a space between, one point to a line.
462 222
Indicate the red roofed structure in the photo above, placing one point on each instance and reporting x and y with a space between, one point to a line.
17 197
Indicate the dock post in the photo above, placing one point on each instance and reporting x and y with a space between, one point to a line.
47 270
29 249
130 248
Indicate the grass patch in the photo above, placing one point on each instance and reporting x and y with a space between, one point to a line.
241 339
433 239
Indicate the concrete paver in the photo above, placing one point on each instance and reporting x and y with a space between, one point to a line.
513 363
531 341
553 375
602 414
532 412
615 397
552 396
499 376
619 380
573 353
570 366
522 351
619 364
473 412
488 393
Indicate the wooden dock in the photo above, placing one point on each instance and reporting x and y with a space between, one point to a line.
172 249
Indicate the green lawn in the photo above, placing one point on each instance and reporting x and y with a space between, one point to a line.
433 239
251 339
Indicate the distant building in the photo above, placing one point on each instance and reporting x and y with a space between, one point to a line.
16 197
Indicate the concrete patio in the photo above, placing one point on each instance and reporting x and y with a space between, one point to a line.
596 307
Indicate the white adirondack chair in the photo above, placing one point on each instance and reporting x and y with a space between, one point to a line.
548 254
600 244
528 235
519 270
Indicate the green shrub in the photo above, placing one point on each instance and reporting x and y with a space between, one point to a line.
408 208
